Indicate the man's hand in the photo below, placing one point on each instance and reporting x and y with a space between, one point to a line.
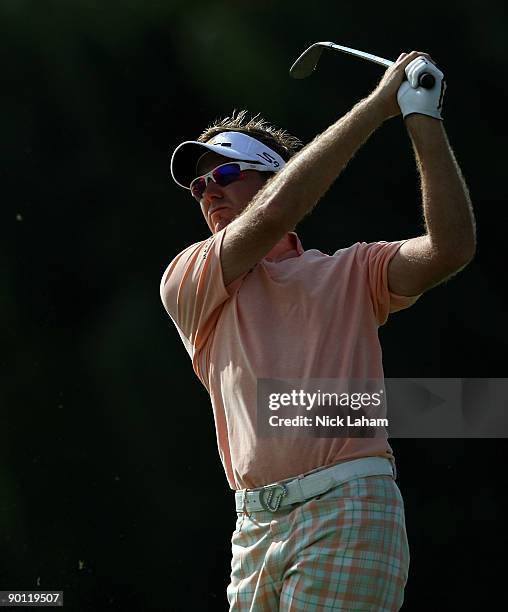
385 93
414 99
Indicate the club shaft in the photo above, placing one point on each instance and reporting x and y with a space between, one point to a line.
362 54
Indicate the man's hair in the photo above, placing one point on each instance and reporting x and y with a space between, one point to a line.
277 139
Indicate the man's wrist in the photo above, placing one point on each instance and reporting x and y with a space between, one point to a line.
423 125
427 134
386 105
377 107
421 119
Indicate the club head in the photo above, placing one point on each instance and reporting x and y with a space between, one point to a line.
307 62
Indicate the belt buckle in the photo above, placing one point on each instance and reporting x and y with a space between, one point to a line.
267 504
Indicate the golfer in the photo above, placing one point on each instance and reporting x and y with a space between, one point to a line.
320 520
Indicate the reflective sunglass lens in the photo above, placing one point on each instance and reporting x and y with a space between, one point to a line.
198 187
224 175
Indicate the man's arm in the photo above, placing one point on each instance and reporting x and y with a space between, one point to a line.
450 242
294 191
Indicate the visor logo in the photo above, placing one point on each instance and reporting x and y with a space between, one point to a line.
269 158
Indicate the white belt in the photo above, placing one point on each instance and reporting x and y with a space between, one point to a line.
292 491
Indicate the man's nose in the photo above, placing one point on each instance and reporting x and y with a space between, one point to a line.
211 192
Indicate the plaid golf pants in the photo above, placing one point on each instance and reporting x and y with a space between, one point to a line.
343 550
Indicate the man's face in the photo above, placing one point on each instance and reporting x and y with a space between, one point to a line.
220 205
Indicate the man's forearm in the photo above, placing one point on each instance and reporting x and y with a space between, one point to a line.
446 204
292 193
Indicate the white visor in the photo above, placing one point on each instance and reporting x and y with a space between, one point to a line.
229 144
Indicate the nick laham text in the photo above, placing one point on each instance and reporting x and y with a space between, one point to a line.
326 421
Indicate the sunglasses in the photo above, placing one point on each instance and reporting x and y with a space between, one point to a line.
223 175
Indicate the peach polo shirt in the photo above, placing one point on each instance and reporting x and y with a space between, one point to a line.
298 315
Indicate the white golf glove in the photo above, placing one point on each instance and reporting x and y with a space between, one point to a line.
415 99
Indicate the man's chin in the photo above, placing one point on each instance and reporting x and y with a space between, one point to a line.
221 224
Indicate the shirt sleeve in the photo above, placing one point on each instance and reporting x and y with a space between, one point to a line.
375 257
192 291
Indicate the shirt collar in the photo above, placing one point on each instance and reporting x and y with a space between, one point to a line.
285 248
296 242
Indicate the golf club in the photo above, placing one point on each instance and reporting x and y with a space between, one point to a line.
307 62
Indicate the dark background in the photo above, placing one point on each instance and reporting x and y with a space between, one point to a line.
110 482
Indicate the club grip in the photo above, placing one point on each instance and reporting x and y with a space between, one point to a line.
427 80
